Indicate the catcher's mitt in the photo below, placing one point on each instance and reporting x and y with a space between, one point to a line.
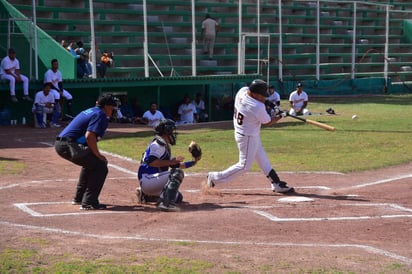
195 150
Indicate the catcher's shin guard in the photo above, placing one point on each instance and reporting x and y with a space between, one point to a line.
170 190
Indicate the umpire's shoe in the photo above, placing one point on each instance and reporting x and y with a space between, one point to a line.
282 187
93 207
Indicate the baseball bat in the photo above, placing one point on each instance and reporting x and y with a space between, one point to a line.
314 123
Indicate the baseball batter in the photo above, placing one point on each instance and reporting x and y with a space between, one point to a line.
249 114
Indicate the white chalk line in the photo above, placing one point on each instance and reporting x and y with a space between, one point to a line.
25 207
343 218
367 248
396 178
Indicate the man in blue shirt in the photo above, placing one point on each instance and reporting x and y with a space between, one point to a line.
77 143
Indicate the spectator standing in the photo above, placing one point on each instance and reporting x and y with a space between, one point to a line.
54 76
187 112
10 70
44 105
152 117
298 101
77 143
210 27
200 107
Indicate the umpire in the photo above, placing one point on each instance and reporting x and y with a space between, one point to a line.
77 143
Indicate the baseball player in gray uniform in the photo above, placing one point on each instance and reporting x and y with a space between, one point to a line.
249 114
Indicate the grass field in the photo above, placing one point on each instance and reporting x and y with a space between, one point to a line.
378 138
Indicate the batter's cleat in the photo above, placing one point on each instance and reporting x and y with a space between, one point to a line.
170 208
55 125
282 187
93 207
141 199
14 99
210 183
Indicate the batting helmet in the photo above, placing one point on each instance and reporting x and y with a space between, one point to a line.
167 127
260 87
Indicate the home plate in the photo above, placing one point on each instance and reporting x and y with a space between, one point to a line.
295 199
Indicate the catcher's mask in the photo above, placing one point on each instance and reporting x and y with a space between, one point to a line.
168 128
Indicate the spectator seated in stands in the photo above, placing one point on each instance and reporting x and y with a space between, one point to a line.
106 61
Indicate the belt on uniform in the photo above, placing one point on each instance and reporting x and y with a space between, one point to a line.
65 139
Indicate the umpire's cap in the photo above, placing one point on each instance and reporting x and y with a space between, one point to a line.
260 87
107 100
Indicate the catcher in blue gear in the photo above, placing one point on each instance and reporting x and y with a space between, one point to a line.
160 174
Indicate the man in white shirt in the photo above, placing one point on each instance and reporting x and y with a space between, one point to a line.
152 117
43 105
10 70
298 100
187 112
54 76
200 107
274 97
208 35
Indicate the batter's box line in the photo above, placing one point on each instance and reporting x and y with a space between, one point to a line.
26 208
348 218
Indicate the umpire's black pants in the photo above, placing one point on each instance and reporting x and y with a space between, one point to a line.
92 175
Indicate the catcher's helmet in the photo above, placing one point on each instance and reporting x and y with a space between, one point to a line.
260 87
167 127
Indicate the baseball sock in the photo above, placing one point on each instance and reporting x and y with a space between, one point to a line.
273 176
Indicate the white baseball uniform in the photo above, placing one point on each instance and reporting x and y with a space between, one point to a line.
55 78
274 97
249 115
41 100
186 112
153 119
297 101
13 65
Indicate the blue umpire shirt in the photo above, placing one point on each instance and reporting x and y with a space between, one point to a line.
93 119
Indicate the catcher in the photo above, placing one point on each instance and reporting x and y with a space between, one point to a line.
160 175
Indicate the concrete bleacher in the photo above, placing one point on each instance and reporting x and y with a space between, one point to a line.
119 28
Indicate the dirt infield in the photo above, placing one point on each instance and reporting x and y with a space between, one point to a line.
360 222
